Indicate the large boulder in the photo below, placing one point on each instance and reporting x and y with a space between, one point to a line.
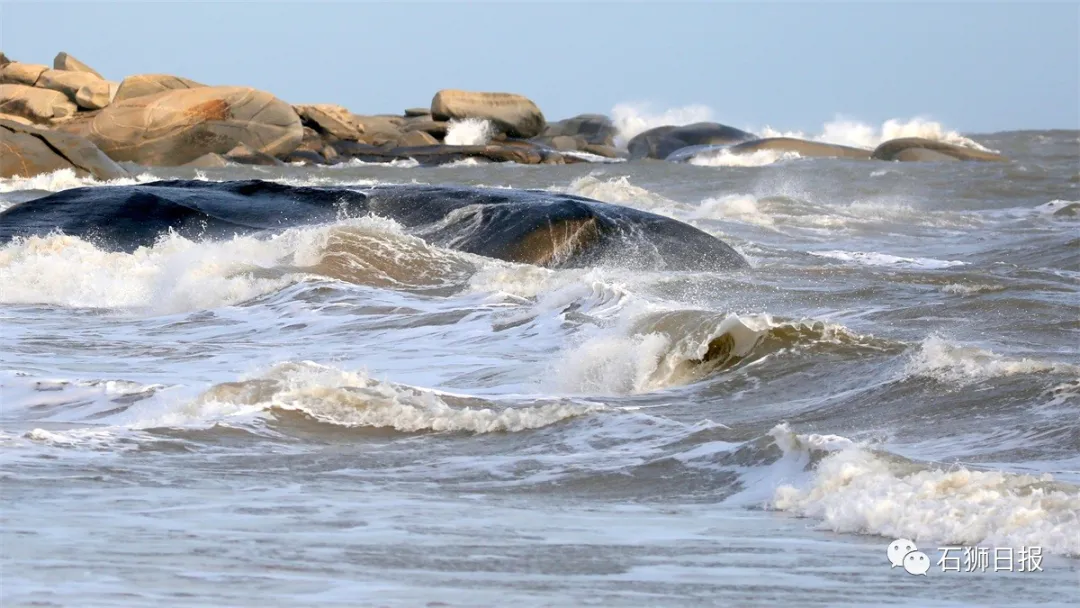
21 73
410 112
63 61
594 128
380 129
27 151
141 85
435 128
515 115
66 82
331 120
893 149
176 127
807 149
96 95
34 104
660 142
416 138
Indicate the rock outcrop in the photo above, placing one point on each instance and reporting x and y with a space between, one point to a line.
141 85
66 82
515 115
26 151
34 104
96 95
906 148
176 127
63 61
660 142
21 73
331 120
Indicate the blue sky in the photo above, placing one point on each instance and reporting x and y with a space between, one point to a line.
973 66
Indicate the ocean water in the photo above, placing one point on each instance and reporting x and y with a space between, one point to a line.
346 415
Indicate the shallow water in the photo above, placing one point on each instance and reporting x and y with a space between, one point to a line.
346 415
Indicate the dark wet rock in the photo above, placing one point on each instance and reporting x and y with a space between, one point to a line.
660 142
525 226
418 112
27 151
595 129
892 149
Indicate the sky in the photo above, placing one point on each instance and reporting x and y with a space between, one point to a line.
973 66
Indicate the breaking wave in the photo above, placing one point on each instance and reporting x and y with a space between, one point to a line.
469 132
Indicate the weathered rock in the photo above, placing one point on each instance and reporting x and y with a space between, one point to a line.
435 128
564 143
21 73
141 85
418 112
245 155
176 127
660 142
96 95
808 149
27 151
594 128
63 61
313 149
212 160
34 104
416 138
330 119
890 149
380 129
923 155
17 119
442 154
605 151
4 59
66 82
515 115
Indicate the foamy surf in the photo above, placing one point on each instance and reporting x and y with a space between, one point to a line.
177 274
354 399
950 363
856 490
873 258
469 132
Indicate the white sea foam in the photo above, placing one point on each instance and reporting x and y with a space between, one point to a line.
737 207
861 135
633 118
968 290
353 399
873 258
949 363
175 274
725 158
855 490
469 132
65 179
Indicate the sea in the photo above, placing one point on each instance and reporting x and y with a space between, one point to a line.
346 415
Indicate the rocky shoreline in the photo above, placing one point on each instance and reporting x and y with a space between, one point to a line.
71 117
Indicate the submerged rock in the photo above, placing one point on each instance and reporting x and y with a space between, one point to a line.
660 142
906 148
525 226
